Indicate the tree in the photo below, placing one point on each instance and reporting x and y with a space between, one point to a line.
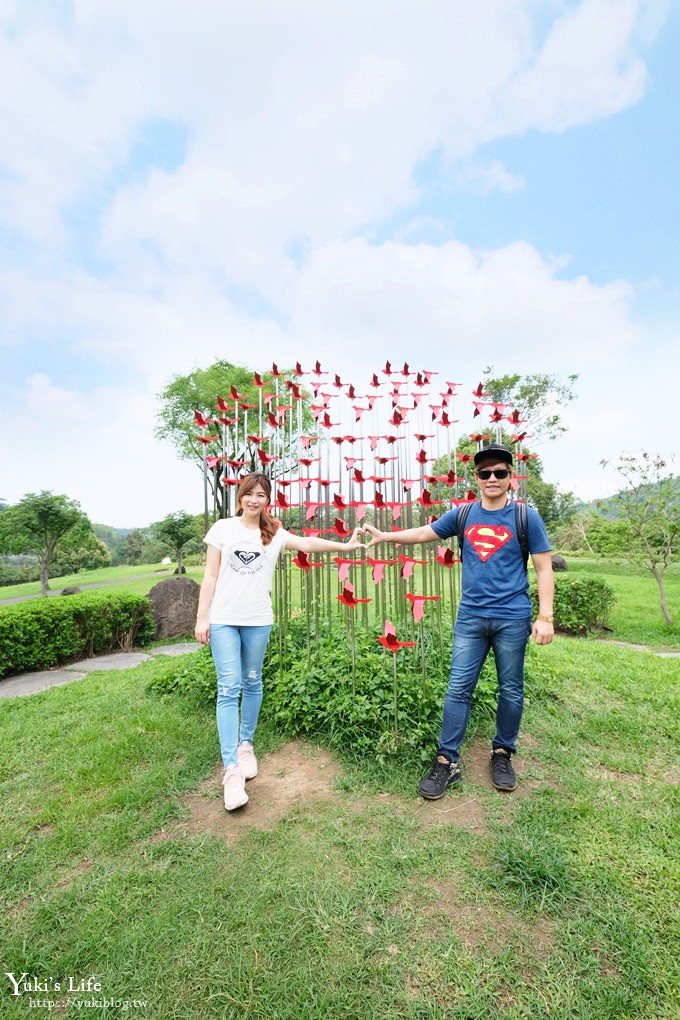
131 551
538 398
556 508
177 530
649 507
198 391
79 549
36 524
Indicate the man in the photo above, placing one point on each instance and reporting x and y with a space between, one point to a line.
495 612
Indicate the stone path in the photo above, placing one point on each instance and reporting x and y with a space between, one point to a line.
32 683
640 648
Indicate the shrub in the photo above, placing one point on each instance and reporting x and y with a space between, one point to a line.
312 693
49 632
581 604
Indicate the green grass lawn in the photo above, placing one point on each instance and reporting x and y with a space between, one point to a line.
636 616
118 575
561 902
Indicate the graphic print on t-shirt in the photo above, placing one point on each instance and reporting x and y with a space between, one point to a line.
486 539
246 561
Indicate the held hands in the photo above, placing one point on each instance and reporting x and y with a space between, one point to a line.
364 538
373 535
355 541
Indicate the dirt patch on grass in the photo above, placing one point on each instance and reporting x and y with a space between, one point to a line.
294 776
299 774
73 873
490 927
463 805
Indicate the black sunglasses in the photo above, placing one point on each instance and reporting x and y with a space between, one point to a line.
485 474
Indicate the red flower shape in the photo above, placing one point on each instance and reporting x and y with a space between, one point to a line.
303 562
379 567
417 602
446 557
390 640
407 565
348 598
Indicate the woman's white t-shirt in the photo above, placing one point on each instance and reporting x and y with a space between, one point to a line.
242 593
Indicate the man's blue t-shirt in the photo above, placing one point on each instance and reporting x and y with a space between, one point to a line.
495 582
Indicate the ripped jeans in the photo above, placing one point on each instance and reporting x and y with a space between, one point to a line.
238 653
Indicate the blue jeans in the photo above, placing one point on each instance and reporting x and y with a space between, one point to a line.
238 653
472 639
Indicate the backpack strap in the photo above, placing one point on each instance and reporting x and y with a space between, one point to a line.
521 527
461 521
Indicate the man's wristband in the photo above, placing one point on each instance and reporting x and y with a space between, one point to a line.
545 619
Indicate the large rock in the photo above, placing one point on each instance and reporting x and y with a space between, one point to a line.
175 602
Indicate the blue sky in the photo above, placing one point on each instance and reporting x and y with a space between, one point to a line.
471 184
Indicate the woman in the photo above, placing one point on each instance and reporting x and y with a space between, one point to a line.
235 616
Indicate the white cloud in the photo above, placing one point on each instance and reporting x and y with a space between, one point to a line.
306 123
96 447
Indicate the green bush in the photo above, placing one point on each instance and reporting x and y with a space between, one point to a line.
49 632
311 693
581 604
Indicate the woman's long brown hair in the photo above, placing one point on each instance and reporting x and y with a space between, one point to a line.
268 526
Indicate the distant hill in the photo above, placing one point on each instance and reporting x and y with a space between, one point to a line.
113 538
608 507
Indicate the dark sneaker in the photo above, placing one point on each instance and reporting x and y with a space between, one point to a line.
442 775
502 773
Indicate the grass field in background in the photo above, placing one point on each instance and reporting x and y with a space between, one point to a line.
115 577
561 902
636 616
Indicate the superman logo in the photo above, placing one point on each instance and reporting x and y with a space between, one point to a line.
487 539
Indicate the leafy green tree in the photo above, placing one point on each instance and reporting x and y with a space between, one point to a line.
198 391
607 538
649 509
36 524
131 552
538 398
113 539
79 549
555 507
177 531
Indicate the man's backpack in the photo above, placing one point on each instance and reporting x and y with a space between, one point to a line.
521 527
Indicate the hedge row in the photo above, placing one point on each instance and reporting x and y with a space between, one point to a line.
581 604
50 632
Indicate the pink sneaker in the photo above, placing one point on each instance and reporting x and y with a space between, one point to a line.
234 784
247 762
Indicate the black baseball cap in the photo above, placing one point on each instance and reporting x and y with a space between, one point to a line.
494 451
